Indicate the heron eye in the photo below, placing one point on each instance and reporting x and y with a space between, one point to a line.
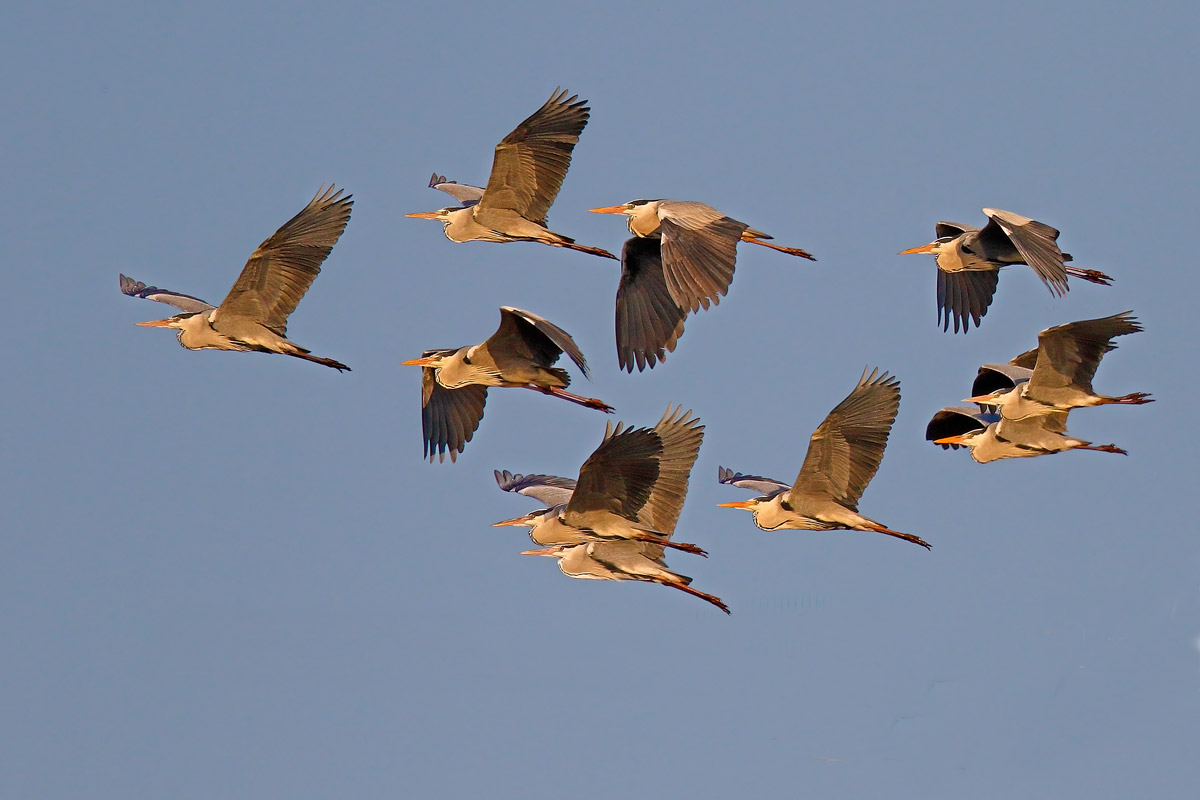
968 250
467 360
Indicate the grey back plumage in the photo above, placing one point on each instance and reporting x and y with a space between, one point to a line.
526 335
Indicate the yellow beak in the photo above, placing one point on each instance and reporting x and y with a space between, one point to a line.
157 323
608 210
925 248
746 504
423 215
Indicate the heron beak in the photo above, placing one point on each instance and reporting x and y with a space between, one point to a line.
428 361
423 215
608 210
746 504
156 323
982 399
545 551
960 439
925 248
517 521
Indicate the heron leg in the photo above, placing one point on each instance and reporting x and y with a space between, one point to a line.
329 362
1091 275
792 251
682 546
589 402
1134 399
1103 448
908 537
712 598
583 248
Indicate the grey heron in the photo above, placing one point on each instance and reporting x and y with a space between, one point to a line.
680 259
621 561
546 525
527 172
969 260
253 316
843 456
992 438
631 487
520 354
1063 366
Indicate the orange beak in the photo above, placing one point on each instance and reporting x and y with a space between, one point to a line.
517 521
423 215
420 362
608 210
983 400
746 504
157 323
925 248
951 439
545 551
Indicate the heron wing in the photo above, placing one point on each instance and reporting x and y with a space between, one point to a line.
946 229
465 194
449 417
756 483
1036 242
531 162
681 435
184 302
699 250
280 271
1068 355
993 377
649 321
845 450
955 421
964 296
548 489
618 476
526 334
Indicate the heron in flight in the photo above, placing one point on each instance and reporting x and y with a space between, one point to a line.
843 456
1061 369
992 438
621 561
527 172
520 354
253 316
680 259
632 487
969 260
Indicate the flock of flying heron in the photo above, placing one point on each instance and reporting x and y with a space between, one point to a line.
615 521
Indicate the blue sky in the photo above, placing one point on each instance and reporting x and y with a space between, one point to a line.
232 575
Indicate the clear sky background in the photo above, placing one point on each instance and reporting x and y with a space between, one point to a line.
232 575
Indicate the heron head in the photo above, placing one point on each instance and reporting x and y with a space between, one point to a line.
441 215
556 551
747 505
997 398
936 247
969 439
178 322
436 361
529 520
